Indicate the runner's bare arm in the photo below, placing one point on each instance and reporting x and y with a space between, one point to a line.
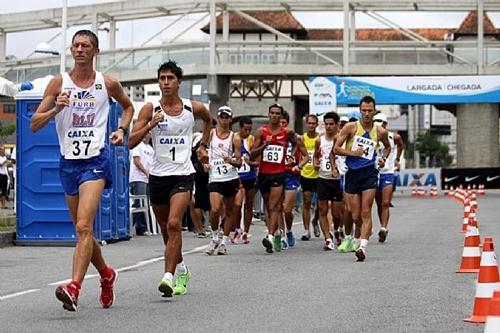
259 145
254 162
236 161
143 125
382 133
346 133
298 141
317 154
115 90
400 146
139 165
200 111
47 110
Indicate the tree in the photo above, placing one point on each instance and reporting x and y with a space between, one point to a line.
6 130
432 150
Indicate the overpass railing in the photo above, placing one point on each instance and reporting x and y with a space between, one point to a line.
249 53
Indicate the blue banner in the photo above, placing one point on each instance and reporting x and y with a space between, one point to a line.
417 89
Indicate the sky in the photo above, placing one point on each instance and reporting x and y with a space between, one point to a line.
135 33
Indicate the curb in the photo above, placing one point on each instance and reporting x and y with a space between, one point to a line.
7 238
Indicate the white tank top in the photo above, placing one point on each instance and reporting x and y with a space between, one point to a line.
341 163
172 142
390 161
81 127
218 149
325 166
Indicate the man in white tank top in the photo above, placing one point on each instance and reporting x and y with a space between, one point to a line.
81 98
224 180
328 179
171 177
386 177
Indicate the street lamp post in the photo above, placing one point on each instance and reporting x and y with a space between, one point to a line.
64 26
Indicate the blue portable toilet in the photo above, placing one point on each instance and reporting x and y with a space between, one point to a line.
42 214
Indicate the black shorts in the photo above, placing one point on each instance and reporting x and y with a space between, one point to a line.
201 195
249 184
359 180
162 188
266 181
329 189
308 184
3 184
227 189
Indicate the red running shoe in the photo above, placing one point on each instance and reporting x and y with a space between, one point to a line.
244 238
107 296
68 295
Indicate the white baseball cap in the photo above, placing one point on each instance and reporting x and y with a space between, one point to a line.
225 109
344 118
380 117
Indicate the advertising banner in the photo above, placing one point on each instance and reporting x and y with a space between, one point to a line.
409 178
322 96
489 177
417 89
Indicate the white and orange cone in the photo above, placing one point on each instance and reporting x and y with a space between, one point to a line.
471 255
481 190
465 220
434 192
487 283
414 191
473 202
493 319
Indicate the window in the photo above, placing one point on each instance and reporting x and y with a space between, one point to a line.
9 108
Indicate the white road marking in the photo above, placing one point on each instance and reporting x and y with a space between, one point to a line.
18 294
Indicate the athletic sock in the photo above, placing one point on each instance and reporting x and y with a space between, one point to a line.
75 284
364 243
225 240
168 276
106 271
215 235
181 268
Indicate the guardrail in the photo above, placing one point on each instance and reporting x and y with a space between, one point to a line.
317 53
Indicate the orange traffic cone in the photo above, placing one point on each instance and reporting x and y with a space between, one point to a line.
487 283
465 220
434 192
414 191
481 190
446 191
473 203
493 319
473 224
471 256
451 194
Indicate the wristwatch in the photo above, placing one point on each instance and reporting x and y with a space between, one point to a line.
125 131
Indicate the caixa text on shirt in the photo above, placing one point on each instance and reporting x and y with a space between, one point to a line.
172 141
90 133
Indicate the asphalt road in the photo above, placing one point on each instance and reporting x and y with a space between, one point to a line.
408 284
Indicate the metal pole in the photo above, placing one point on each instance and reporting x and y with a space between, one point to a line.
64 27
345 57
225 33
480 39
213 36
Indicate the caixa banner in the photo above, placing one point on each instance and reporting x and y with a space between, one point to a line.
410 178
489 177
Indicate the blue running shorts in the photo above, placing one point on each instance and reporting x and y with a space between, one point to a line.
73 173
